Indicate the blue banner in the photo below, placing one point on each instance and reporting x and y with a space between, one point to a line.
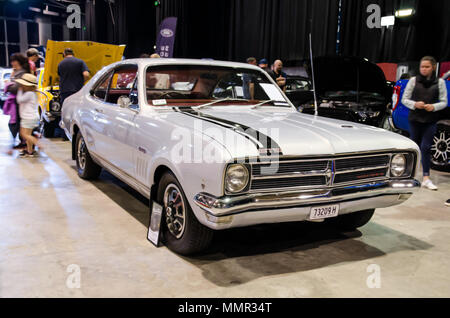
166 37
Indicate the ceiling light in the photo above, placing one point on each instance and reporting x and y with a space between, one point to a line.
46 11
388 21
404 13
34 9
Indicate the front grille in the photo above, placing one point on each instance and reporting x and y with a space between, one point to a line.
288 182
358 163
288 167
319 173
361 175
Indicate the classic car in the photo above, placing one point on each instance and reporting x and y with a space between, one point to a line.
176 132
350 88
95 55
440 151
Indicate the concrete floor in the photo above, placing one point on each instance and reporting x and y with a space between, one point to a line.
50 219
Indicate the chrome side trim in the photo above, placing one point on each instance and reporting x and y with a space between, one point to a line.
122 175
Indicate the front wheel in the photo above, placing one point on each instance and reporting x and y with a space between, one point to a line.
86 167
352 221
181 231
440 150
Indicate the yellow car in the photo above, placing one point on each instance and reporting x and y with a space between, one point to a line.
95 55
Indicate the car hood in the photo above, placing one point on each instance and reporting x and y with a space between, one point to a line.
338 73
95 55
295 134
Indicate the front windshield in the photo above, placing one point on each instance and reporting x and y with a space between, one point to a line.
194 85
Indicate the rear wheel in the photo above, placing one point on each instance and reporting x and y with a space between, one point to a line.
440 151
86 167
352 221
48 129
182 232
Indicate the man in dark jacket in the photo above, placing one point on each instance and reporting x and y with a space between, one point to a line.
72 72
278 75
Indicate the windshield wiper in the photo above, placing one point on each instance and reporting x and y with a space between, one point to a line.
222 100
268 101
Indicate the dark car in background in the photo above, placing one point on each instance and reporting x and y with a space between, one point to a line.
299 89
352 89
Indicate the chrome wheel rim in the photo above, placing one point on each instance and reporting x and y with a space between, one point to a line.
175 210
81 154
441 148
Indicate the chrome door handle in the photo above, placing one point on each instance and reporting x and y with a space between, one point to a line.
99 110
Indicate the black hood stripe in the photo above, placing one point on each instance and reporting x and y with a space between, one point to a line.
246 131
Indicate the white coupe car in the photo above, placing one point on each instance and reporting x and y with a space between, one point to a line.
218 145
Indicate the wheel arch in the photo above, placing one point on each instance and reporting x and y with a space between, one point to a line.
75 131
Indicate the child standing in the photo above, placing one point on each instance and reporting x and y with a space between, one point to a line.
29 118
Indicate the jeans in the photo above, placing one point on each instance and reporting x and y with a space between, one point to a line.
423 136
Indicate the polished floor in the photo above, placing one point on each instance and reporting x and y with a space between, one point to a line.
61 236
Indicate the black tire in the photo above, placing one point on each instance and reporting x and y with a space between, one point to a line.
440 150
47 129
194 237
352 221
87 169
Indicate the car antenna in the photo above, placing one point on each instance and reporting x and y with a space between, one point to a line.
316 111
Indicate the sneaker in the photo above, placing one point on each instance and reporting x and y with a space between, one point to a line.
34 154
20 147
23 154
447 203
429 185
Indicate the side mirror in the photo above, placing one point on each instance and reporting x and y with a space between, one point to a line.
124 102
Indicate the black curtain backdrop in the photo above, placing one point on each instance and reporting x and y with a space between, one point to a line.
237 29
427 33
131 22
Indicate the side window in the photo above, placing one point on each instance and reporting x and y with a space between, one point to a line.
122 83
102 86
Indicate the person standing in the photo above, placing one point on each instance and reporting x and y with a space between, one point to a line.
264 64
33 56
278 75
425 95
20 66
248 82
29 118
73 72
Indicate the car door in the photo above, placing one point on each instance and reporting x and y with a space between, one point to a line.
93 118
119 135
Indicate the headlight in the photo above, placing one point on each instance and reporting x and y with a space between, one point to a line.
55 106
236 178
398 165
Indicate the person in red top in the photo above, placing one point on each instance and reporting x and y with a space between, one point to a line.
33 56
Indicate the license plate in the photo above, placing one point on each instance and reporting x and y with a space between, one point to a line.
324 212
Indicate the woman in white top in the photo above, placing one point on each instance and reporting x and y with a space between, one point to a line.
28 105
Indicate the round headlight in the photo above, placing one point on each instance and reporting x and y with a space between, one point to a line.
398 165
236 178
55 106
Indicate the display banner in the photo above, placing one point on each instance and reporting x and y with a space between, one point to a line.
166 37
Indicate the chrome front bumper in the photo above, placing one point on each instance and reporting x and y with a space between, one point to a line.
400 190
